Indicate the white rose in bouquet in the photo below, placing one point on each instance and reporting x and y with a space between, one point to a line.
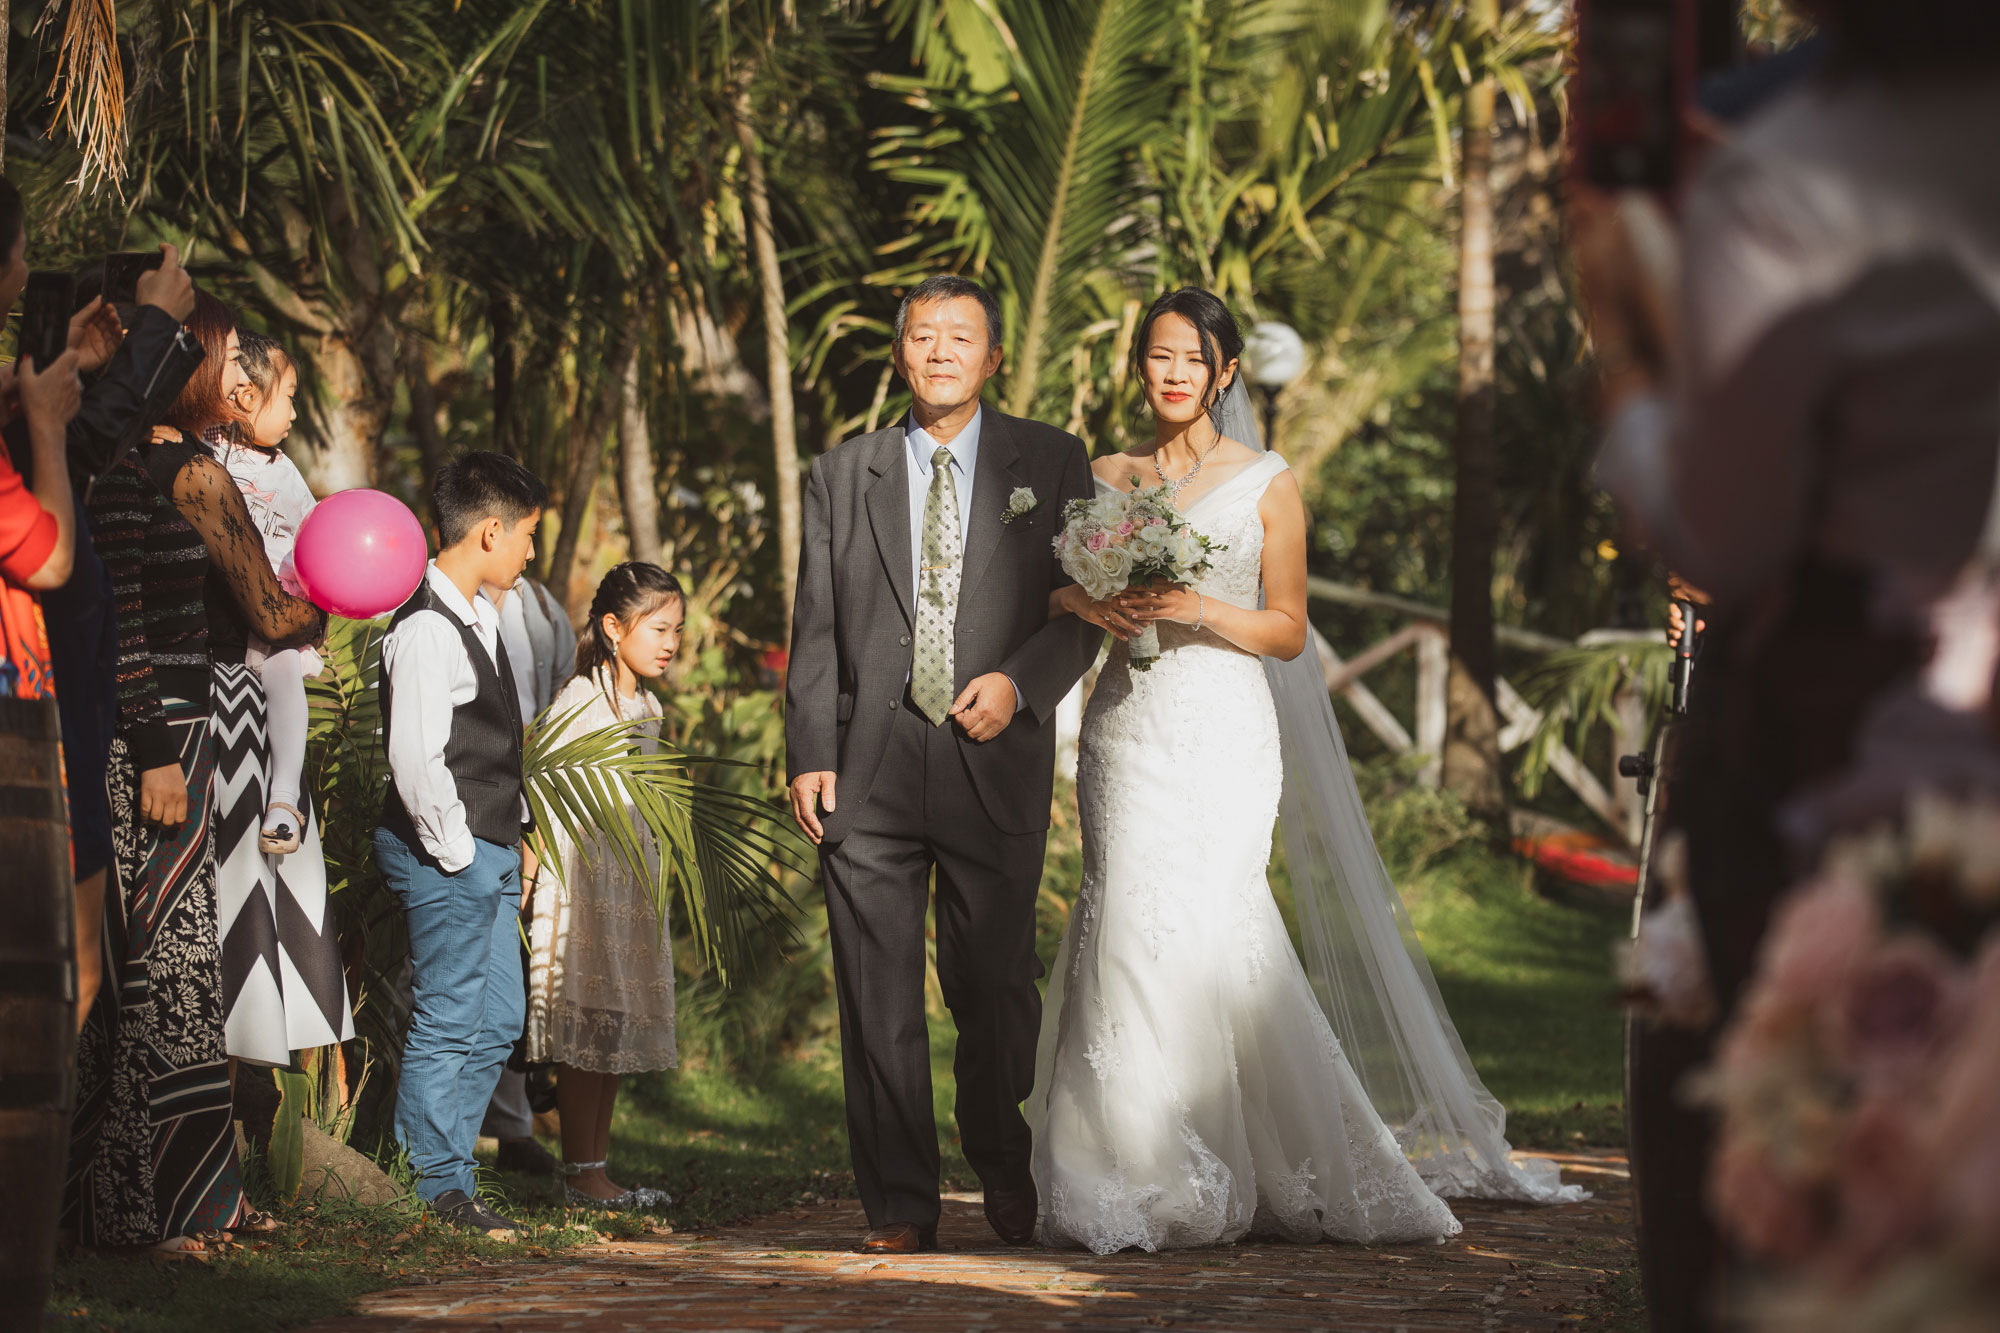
1094 572
1107 510
1117 563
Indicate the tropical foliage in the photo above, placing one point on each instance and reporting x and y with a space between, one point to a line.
654 247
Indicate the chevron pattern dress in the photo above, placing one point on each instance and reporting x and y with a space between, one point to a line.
282 982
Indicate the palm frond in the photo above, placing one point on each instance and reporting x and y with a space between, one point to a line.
725 853
89 88
1576 691
1033 184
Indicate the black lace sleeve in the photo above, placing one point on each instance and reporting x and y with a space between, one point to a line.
207 497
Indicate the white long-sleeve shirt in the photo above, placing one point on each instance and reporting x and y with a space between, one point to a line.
430 674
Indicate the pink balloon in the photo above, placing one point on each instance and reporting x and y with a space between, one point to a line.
360 553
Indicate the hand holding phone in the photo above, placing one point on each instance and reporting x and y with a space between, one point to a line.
167 286
124 269
49 398
94 335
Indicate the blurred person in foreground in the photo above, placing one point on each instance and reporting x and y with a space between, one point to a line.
1809 432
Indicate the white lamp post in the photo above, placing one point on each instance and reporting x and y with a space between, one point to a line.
1273 356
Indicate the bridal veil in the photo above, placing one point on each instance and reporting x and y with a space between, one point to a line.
1362 954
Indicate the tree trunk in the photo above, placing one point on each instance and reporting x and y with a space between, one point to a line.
1472 768
588 428
423 419
342 454
635 469
778 356
503 322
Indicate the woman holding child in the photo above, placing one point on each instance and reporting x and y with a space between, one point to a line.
153 1156
282 976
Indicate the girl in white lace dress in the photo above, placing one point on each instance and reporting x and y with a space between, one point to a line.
1189 1088
600 971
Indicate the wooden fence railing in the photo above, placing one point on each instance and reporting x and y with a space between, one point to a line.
1614 799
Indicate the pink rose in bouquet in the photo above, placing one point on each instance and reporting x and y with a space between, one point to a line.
1818 935
1901 1004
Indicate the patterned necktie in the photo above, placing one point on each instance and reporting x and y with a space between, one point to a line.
932 674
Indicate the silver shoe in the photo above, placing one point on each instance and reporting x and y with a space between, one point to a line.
631 1200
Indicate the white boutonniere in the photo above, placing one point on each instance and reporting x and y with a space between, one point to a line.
1020 504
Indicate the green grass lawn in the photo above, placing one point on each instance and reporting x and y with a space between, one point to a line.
1526 976
1527 979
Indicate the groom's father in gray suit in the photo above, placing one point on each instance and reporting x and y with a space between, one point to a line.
924 678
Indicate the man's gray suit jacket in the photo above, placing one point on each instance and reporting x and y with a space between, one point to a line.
854 622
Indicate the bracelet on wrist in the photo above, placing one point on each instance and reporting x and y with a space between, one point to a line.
1200 611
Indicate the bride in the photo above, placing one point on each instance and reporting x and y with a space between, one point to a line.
1195 1082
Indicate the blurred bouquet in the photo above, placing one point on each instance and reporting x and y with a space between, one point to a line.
1858 1086
1113 542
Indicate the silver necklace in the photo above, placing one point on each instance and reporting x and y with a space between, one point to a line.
1174 487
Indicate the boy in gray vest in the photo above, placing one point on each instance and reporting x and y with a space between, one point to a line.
449 844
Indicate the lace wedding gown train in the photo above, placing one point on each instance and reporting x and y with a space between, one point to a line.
1189 1089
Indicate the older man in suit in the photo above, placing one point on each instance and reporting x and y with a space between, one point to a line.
925 675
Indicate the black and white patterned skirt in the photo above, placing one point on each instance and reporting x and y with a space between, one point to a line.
282 981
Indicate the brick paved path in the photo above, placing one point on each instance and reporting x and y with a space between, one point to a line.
796 1272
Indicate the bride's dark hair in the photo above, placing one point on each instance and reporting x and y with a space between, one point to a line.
1221 340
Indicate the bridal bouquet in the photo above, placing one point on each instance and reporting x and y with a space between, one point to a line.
1112 542
1858 1086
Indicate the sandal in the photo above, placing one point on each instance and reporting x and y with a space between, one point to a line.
198 1247
262 1224
280 838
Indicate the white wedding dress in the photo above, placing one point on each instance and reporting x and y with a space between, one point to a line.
1189 1089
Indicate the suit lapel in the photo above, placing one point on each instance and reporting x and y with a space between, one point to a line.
889 515
993 481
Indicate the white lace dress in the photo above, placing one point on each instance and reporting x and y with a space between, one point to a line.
600 965
1188 1088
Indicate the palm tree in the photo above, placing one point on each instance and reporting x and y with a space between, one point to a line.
777 355
1030 183
1081 157
1472 768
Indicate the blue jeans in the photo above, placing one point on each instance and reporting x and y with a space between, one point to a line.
465 953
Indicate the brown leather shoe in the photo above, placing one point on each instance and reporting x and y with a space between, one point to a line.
900 1238
1012 1213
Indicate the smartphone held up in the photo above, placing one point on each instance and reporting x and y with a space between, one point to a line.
47 303
1639 64
122 272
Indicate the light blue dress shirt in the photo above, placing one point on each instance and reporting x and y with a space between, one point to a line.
964 461
919 446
